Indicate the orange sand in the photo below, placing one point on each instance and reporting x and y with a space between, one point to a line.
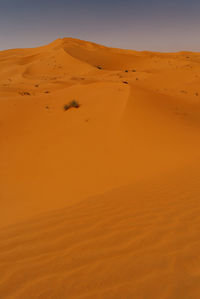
102 201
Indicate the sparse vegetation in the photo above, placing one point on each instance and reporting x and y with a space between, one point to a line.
24 93
72 104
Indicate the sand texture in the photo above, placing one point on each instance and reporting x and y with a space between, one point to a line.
102 200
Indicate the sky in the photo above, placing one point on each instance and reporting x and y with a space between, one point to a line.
166 26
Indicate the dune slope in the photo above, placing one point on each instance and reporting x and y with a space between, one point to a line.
101 201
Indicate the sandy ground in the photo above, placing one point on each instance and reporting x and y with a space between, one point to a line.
102 201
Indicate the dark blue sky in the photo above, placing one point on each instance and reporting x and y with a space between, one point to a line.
141 25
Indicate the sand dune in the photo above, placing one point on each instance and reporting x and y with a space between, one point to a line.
100 201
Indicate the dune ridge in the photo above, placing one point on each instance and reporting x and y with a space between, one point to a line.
100 201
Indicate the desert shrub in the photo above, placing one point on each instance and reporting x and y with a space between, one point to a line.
24 93
66 107
72 104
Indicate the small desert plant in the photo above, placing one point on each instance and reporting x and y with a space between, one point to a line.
72 104
66 107
24 93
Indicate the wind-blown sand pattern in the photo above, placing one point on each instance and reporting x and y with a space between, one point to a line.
102 201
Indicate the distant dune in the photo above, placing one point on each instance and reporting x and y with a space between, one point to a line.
101 200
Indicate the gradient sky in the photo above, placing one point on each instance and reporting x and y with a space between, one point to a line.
163 25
